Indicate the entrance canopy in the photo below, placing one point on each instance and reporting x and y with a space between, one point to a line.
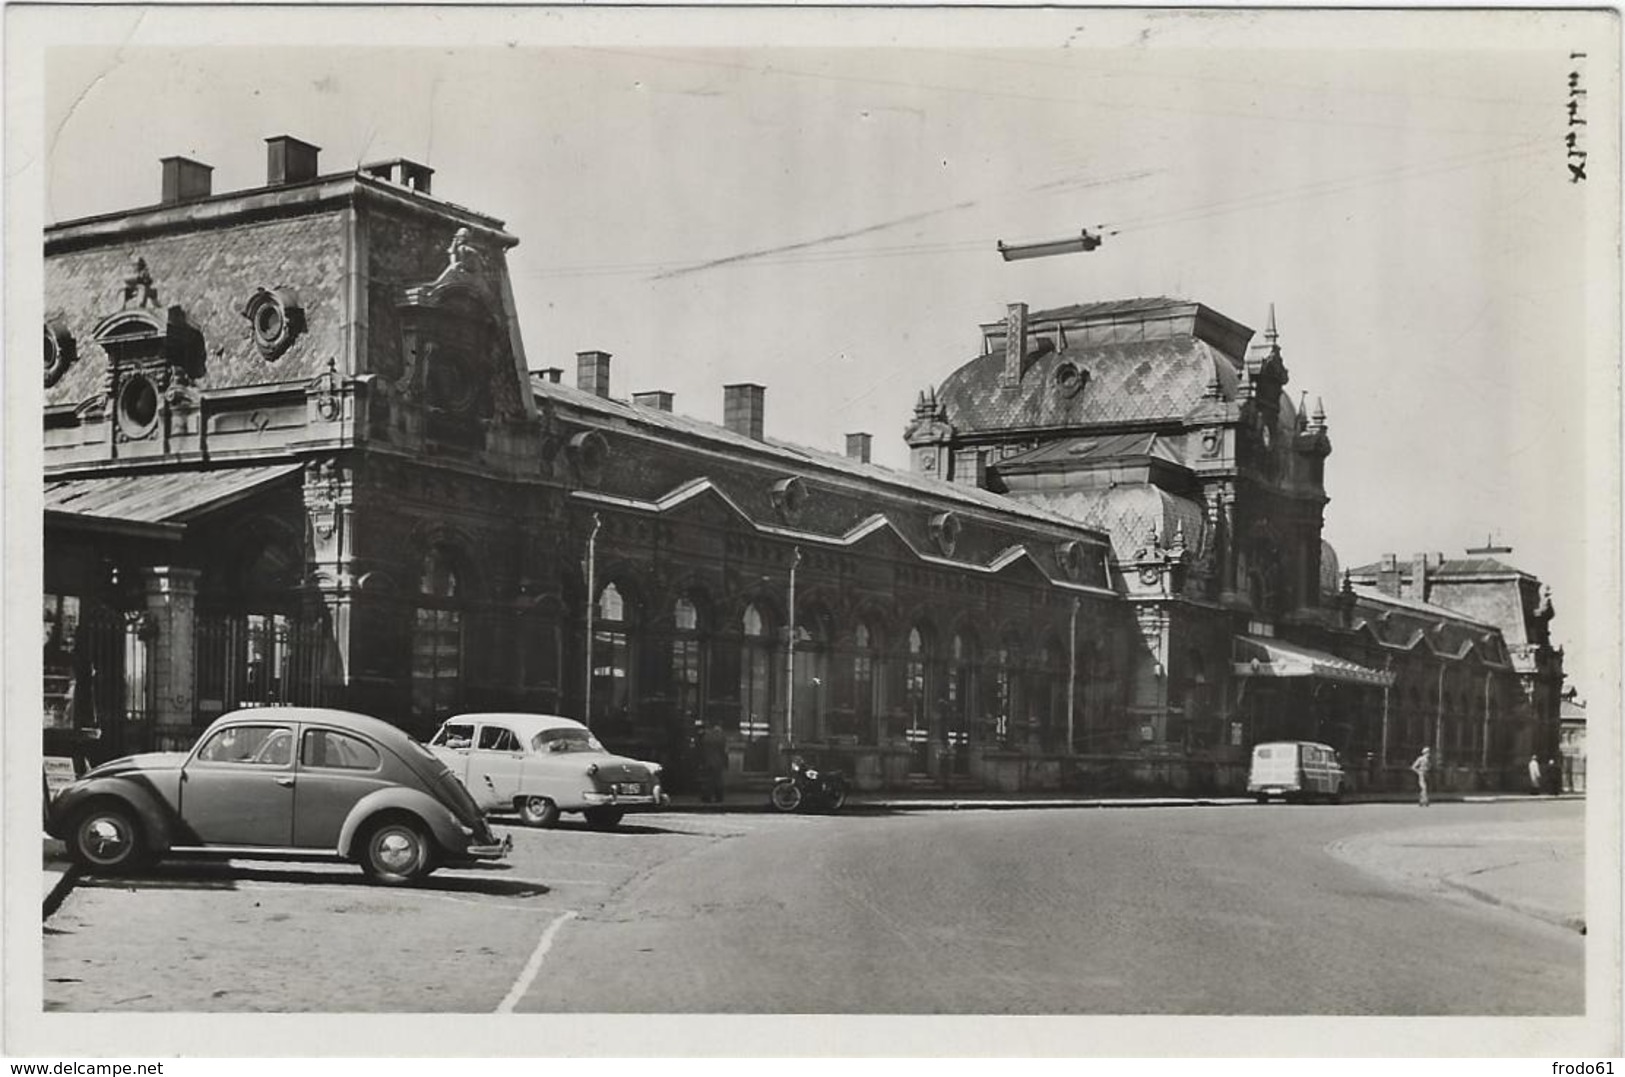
155 500
1257 656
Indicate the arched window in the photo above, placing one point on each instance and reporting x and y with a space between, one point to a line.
611 662
685 663
1044 708
867 682
1008 700
961 688
541 658
757 674
437 638
916 700
812 676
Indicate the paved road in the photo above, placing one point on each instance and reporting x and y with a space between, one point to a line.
1240 910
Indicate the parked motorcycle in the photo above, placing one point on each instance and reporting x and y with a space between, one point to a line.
810 788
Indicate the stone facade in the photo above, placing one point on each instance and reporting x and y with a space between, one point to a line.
294 454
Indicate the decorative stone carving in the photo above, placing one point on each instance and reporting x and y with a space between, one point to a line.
587 451
275 320
788 496
138 290
1070 379
323 393
327 500
60 352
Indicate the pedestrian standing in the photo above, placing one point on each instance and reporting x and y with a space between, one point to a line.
1534 775
1554 777
1420 767
714 762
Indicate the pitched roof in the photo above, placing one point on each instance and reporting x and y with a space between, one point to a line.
1461 566
1128 513
907 482
159 497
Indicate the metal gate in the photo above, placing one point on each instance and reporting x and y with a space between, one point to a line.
96 694
258 660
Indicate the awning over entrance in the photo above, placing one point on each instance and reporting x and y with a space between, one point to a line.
170 497
1257 656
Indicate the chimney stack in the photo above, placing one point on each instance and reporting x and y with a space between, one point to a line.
552 373
1388 575
857 447
1419 577
742 409
289 160
592 373
185 179
401 172
658 399
1015 344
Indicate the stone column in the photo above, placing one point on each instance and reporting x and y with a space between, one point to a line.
329 504
170 601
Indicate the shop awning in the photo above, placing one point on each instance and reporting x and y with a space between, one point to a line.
1257 656
160 498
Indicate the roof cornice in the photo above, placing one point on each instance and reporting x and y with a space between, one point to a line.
263 203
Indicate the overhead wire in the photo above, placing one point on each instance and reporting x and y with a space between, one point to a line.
1181 215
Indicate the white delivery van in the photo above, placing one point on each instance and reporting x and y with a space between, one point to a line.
1295 770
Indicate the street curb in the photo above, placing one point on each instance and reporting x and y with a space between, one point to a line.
59 892
1016 805
1538 912
858 805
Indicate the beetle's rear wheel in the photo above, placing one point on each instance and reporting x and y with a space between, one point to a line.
396 852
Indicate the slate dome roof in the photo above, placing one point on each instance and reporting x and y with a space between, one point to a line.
1141 360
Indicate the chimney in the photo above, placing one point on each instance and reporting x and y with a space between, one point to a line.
185 179
1419 578
552 374
1015 344
857 447
1388 575
592 373
401 172
288 160
658 399
742 409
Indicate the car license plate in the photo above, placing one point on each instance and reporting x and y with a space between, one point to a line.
629 788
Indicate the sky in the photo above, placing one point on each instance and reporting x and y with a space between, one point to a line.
814 204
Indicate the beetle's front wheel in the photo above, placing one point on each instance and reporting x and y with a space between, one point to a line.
107 837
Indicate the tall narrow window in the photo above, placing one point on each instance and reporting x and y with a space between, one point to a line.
812 678
914 693
437 641
611 661
756 696
866 708
685 663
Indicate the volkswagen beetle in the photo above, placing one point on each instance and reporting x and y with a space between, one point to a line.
279 782
540 765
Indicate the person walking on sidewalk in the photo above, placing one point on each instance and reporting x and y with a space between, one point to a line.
1420 766
713 762
1534 775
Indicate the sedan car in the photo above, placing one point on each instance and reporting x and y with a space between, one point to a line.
356 788
540 765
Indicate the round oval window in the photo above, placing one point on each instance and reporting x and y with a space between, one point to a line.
138 405
268 322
